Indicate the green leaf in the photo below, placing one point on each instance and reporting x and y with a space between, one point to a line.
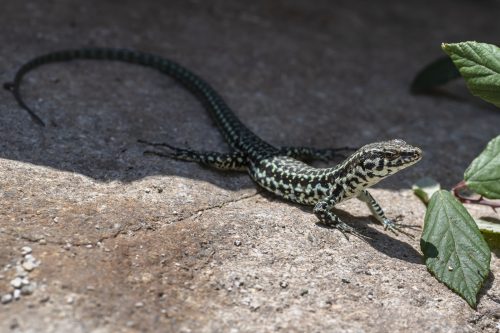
483 175
438 72
424 188
479 64
454 250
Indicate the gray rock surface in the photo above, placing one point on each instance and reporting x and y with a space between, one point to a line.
204 251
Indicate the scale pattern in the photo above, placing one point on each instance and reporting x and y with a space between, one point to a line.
278 170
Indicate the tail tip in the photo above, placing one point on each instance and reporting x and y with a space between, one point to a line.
8 86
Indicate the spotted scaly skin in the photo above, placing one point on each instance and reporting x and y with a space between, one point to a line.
278 170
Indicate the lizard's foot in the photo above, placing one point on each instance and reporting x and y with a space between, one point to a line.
391 225
345 229
395 227
327 217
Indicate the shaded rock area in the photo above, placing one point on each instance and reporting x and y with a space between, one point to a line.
131 243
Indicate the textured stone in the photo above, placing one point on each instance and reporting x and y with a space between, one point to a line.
297 73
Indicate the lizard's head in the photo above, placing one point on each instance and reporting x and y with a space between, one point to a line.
382 159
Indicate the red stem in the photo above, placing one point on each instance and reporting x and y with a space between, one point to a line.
481 201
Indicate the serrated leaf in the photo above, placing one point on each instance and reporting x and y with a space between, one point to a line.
454 250
483 175
424 188
479 64
438 72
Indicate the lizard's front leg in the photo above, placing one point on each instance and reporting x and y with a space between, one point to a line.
323 210
377 211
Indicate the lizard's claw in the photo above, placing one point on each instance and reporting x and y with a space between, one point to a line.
346 230
395 228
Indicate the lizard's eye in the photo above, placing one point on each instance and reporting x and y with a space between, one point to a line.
391 154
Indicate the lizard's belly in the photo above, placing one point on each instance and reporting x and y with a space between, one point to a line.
289 179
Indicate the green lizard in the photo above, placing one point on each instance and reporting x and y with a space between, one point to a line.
278 170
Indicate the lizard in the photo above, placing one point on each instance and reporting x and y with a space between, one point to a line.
282 171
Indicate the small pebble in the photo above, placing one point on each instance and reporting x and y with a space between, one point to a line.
27 289
16 294
345 280
7 298
45 299
42 241
28 265
310 237
26 250
139 304
88 246
20 271
16 283
70 299
14 324
283 284
237 242
304 292
25 281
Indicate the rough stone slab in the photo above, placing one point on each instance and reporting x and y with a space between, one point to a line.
132 243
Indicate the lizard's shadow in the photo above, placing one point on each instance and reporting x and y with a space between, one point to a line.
385 242
92 128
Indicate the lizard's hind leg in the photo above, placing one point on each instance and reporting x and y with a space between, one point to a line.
223 161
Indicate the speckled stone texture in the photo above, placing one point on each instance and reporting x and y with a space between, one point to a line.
133 243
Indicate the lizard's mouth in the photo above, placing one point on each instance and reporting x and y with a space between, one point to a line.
414 156
410 154
405 158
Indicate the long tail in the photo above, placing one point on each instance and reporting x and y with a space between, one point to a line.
236 134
